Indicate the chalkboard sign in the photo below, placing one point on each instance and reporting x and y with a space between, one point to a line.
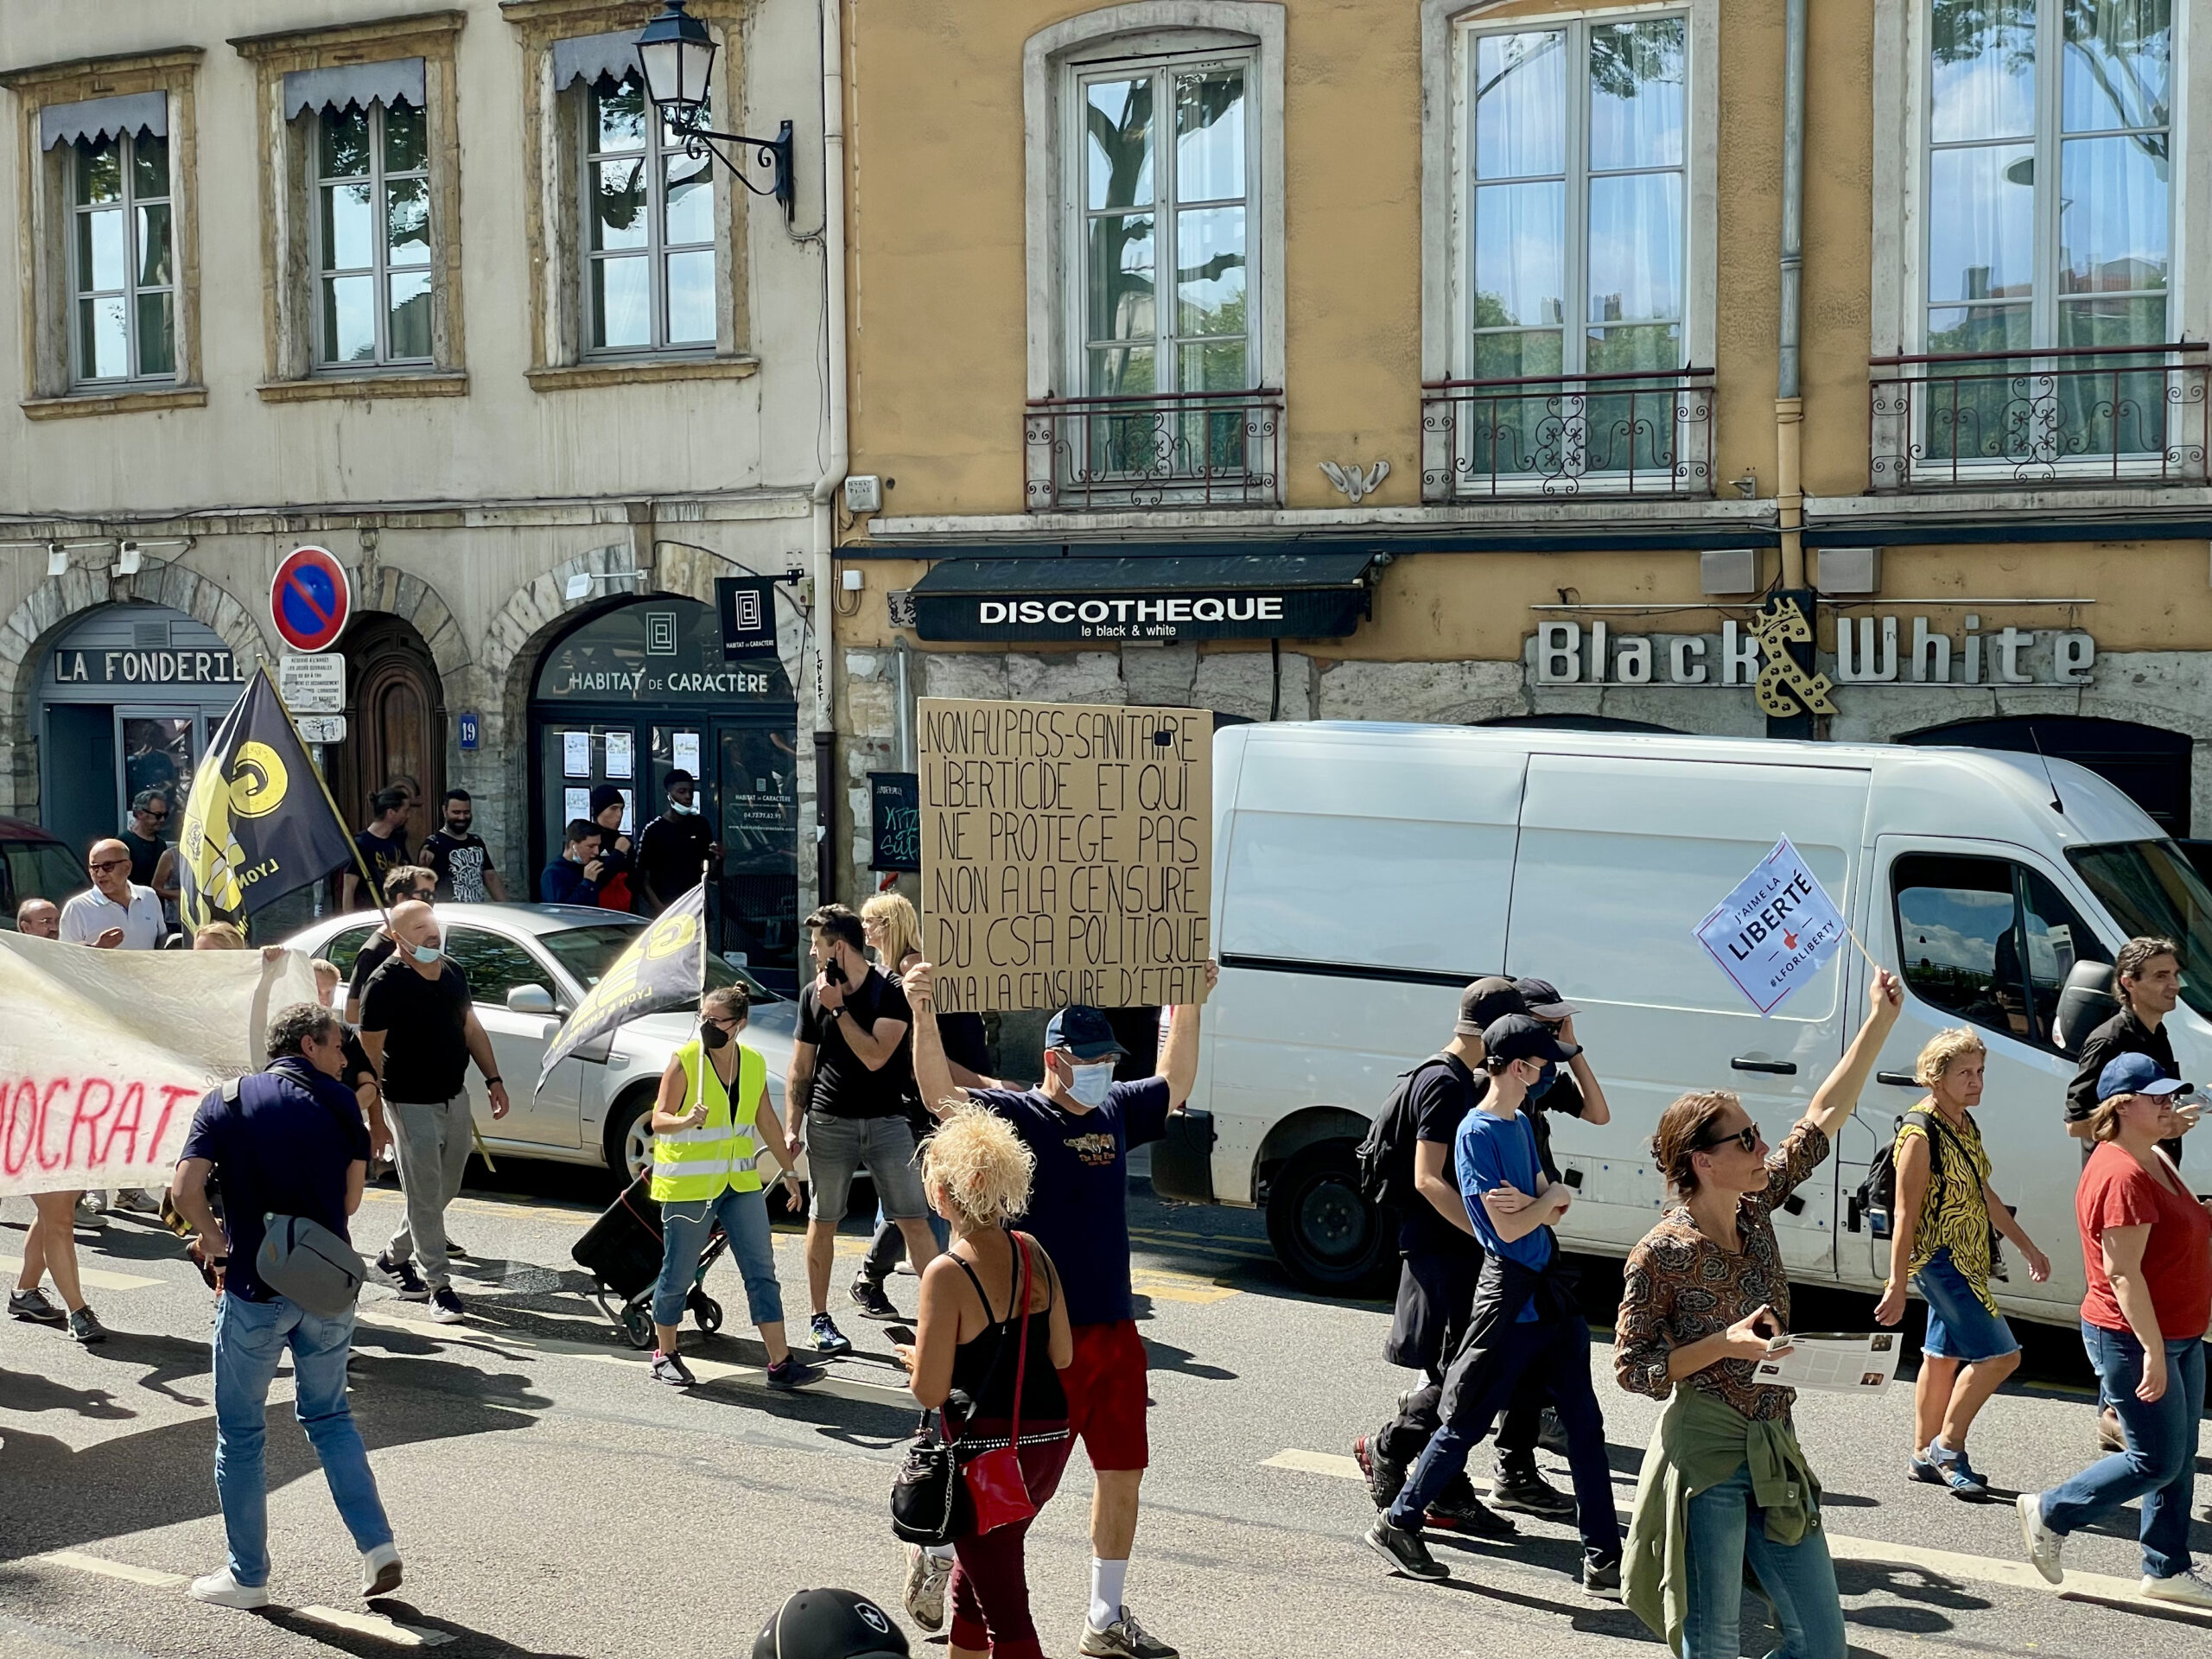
896 797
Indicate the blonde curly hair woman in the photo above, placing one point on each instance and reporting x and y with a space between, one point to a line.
970 1351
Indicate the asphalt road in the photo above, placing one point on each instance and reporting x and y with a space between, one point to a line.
549 1500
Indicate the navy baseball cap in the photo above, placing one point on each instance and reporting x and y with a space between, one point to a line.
1543 999
1082 1032
1484 1002
831 1625
1525 1037
2136 1074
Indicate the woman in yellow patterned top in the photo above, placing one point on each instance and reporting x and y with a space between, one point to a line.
1940 1244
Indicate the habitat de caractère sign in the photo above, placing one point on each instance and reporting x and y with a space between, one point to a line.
1066 852
1870 650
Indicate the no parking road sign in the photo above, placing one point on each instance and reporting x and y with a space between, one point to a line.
310 599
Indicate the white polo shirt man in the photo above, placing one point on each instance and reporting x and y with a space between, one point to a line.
117 913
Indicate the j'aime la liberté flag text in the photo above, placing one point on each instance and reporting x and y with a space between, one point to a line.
1775 929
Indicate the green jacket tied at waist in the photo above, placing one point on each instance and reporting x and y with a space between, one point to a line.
1700 1442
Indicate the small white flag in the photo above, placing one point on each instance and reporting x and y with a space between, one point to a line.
1775 929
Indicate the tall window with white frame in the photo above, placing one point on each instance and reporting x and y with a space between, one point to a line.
649 216
372 236
1163 171
123 271
2050 229
1573 159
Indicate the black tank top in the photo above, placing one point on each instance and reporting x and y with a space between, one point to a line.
984 1366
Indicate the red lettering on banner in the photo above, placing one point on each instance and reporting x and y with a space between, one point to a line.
171 1093
46 1117
22 1114
88 1119
126 1121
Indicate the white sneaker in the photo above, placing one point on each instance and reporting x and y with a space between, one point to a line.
2189 1589
2043 1545
224 1590
379 1571
926 1577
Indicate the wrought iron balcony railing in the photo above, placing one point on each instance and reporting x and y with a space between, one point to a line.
1154 449
2087 415
1568 435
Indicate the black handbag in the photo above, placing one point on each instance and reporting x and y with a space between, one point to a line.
927 1486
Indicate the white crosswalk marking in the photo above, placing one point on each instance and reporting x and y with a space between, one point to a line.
98 1278
375 1624
105 1568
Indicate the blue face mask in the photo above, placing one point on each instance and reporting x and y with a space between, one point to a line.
425 954
1090 1083
1545 1078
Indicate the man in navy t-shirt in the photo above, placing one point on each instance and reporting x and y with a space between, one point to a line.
1080 1124
288 1141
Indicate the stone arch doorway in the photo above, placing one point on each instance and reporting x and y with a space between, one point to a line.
2149 765
395 725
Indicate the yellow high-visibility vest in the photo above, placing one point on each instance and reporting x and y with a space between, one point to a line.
690 1165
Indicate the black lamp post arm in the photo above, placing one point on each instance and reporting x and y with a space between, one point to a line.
774 154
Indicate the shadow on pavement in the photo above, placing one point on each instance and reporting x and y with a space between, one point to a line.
168 1359
25 1392
463 1642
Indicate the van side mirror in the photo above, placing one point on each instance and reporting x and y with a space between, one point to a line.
2085 1002
528 999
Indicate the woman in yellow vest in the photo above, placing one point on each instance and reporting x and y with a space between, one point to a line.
710 1125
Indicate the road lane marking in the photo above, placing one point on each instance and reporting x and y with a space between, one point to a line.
107 1569
98 1278
2016 1575
375 1624
1164 1286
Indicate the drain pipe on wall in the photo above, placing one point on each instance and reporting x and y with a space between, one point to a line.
826 789
1788 398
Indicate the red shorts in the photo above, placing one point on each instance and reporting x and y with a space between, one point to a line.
1108 1394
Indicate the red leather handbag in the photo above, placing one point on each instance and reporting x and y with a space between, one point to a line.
995 1487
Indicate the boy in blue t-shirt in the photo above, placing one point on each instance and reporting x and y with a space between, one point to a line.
1512 1206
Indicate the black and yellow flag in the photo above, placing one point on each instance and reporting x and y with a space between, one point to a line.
257 824
665 967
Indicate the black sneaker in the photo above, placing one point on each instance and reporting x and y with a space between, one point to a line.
1408 1555
1601 1576
828 1338
868 1297
1458 1510
446 1307
33 1304
1385 1474
792 1372
672 1370
85 1326
1524 1491
402 1276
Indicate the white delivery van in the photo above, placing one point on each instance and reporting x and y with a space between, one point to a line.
1363 873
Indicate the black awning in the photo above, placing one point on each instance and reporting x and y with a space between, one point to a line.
1199 596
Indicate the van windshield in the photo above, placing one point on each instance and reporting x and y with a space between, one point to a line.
2150 887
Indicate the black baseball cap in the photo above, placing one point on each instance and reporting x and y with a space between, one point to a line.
831 1625
1484 1002
1082 1032
1525 1037
1543 999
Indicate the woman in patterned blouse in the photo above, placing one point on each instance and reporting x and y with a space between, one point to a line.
1706 1290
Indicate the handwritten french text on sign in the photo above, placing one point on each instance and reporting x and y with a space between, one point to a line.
1775 930
1066 854
109 1053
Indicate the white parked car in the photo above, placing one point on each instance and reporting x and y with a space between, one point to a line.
528 965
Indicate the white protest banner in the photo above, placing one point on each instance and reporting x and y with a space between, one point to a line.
107 1053
1775 930
1067 853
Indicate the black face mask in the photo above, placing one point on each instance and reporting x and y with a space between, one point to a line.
713 1035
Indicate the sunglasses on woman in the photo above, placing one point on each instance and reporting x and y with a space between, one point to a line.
1747 1138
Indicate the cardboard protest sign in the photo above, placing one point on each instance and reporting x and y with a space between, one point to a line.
1775 930
108 1053
1067 853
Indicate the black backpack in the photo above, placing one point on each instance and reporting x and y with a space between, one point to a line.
1386 1156
1877 1198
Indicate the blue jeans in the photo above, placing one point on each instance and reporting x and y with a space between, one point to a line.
1959 1326
249 1338
1727 1532
685 1228
2159 1466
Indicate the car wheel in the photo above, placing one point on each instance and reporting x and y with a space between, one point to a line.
630 1135
1324 1233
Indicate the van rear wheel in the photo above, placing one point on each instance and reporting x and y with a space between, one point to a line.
1327 1236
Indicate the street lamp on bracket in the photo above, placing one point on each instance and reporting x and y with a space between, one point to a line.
676 56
